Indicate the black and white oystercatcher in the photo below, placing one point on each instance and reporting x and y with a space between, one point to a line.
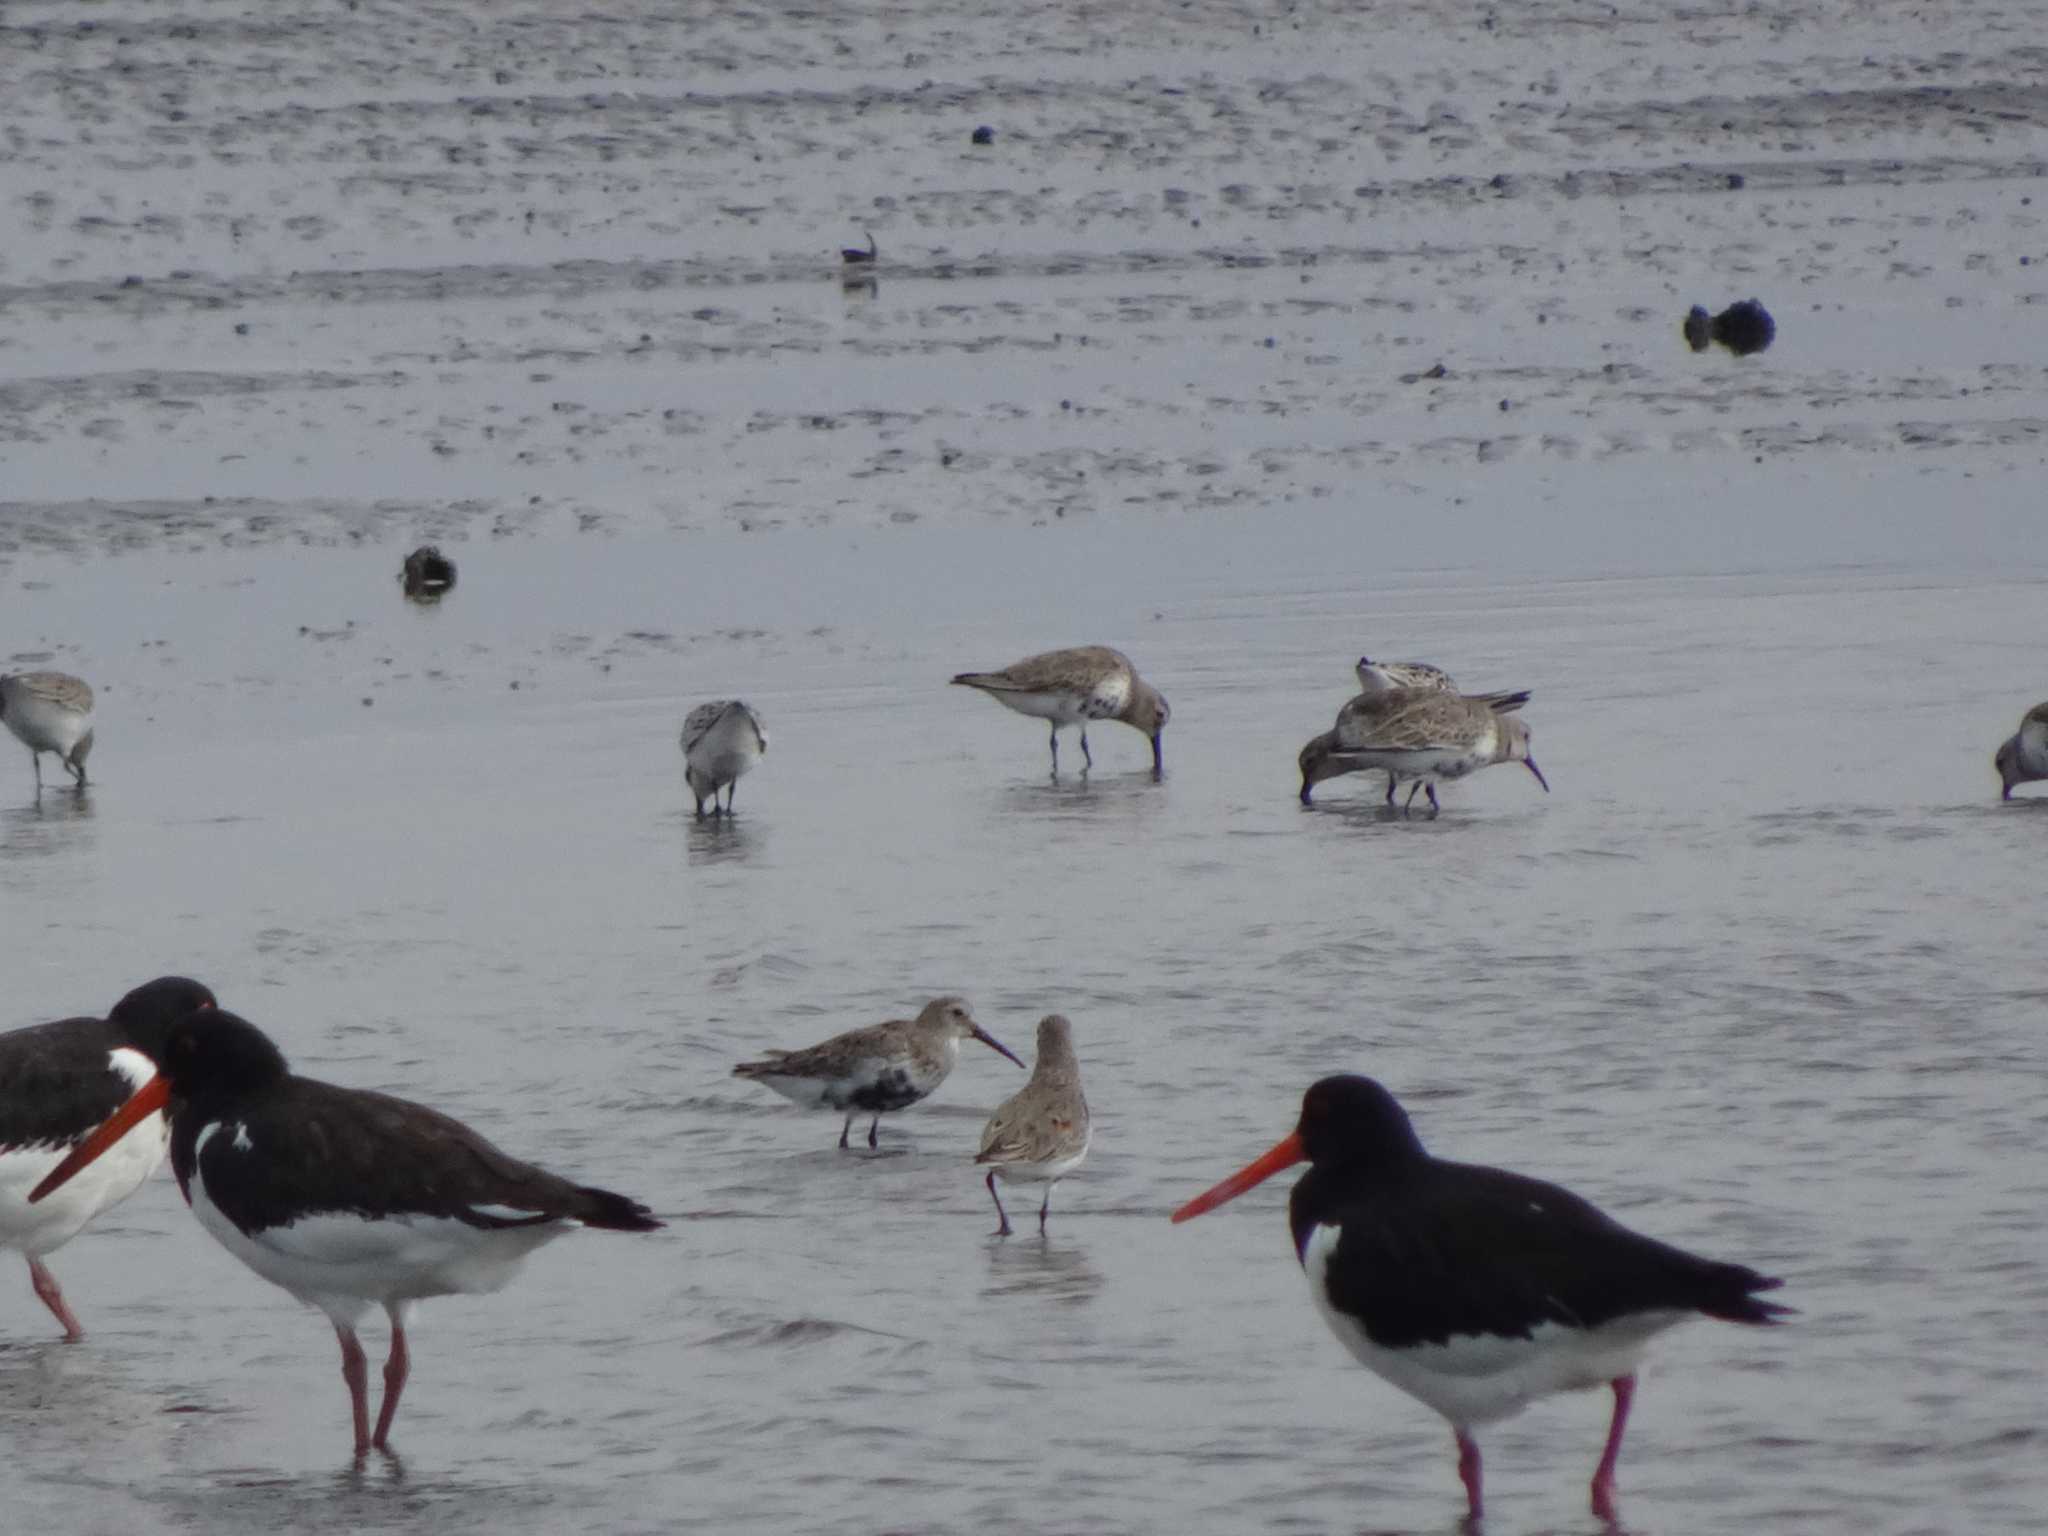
1475 1290
57 1083
348 1199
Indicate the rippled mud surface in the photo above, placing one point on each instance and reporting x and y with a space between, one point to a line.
1252 341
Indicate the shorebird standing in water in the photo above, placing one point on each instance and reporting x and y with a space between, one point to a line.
2023 756
346 1198
876 1070
1474 1290
49 712
1072 687
1422 735
721 741
1040 1133
854 256
57 1083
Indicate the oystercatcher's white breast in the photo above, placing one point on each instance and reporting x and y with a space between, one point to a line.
113 1177
1476 1378
344 1264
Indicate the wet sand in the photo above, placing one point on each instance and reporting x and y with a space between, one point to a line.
1760 977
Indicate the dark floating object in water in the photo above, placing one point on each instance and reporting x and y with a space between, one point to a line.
428 573
1742 328
984 135
854 256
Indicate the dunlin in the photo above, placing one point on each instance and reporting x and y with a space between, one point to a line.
1474 1290
2023 756
1381 676
346 1198
1072 687
1324 756
1039 1134
1419 734
721 741
876 1070
49 712
59 1081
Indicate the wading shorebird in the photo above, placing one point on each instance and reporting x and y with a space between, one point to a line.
1422 735
60 1081
346 1198
2023 757
1072 687
876 1070
856 256
1040 1133
49 712
1474 1290
721 741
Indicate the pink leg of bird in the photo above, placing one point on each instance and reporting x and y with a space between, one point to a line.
1603 1476
1468 1473
396 1367
355 1370
1001 1215
53 1298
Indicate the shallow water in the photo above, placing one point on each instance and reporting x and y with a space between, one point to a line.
1760 976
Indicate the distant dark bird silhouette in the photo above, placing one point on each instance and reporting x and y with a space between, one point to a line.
984 135
427 572
1742 328
854 256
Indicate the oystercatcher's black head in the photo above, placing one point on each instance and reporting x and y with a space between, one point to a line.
1346 1122
219 1054
147 1013
210 1055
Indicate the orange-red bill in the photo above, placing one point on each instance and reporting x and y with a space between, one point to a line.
1285 1155
150 1097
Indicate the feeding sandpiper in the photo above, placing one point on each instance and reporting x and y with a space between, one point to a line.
1039 1134
1426 736
1072 687
2023 756
721 741
876 1070
49 712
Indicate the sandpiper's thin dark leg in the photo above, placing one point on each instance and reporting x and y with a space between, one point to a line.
730 790
845 1128
1390 786
1603 1477
700 806
1408 805
1001 1215
37 758
1086 756
1430 790
1055 734
1047 1206
874 1126
1468 1474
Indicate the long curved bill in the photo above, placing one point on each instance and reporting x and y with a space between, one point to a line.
1285 1155
149 1098
1530 764
994 1044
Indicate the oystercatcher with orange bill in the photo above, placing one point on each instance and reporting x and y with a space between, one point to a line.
57 1082
1472 1289
348 1199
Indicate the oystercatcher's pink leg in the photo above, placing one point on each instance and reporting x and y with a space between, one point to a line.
1468 1473
396 1367
53 1298
1001 1215
1603 1476
355 1370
